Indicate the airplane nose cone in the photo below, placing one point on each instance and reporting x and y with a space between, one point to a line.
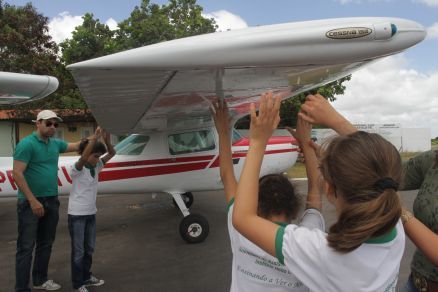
407 32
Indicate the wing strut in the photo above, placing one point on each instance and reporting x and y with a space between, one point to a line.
219 84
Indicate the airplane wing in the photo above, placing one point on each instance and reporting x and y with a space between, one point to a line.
170 85
19 88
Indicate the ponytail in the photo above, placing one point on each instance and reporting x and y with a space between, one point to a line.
365 170
364 220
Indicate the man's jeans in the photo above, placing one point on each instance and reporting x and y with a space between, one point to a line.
409 286
31 230
83 240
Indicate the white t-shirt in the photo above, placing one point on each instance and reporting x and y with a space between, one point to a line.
370 267
82 200
254 270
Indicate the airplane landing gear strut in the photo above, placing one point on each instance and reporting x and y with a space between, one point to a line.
193 228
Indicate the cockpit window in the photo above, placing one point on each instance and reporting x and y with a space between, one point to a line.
189 142
236 136
132 145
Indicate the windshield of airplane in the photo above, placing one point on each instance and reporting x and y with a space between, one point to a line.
236 136
132 145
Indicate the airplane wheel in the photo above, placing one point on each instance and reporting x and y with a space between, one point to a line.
194 228
187 198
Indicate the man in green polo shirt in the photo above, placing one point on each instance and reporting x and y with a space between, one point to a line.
35 172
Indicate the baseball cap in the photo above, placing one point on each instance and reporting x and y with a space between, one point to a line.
46 115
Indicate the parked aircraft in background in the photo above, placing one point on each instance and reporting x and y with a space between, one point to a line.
162 94
19 88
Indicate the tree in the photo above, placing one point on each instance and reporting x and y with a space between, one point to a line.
152 23
148 24
291 106
25 45
89 40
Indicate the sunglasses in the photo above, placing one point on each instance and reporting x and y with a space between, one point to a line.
49 124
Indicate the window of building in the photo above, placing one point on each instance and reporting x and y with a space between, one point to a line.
59 133
86 132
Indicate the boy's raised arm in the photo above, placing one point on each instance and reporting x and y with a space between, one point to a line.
87 151
245 218
221 121
303 136
111 152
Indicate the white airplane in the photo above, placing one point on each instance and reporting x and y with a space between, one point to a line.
162 94
18 88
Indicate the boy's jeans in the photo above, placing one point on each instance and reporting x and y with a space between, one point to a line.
83 240
31 230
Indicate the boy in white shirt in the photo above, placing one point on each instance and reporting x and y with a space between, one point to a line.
82 207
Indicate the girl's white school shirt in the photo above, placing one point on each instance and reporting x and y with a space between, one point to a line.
254 270
373 266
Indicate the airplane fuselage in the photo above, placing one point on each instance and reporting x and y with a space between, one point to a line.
153 168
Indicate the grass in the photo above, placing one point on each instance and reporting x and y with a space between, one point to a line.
299 169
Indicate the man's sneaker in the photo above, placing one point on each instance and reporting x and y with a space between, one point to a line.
93 281
81 289
49 285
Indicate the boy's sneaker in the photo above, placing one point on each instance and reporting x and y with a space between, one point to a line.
81 289
93 281
49 285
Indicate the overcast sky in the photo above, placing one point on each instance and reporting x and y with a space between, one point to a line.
399 89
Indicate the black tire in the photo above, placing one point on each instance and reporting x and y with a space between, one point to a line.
194 228
187 198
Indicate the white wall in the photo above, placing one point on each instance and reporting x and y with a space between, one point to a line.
7 138
416 139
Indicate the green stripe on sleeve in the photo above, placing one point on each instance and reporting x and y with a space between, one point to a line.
279 244
230 203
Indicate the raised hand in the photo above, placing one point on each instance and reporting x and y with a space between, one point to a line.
302 133
98 133
221 117
263 125
317 110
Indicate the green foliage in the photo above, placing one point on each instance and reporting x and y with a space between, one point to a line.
25 45
291 106
150 23
89 40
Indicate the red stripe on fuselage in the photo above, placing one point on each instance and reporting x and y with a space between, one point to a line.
275 140
159 161
243 154
150 171
169 166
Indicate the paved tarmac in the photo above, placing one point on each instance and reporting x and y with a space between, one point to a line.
139 247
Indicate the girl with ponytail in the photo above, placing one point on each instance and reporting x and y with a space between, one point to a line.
360 175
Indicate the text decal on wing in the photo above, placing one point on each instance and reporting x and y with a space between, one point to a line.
348 32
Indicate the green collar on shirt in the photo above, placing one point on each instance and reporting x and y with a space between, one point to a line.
92 169
387 237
